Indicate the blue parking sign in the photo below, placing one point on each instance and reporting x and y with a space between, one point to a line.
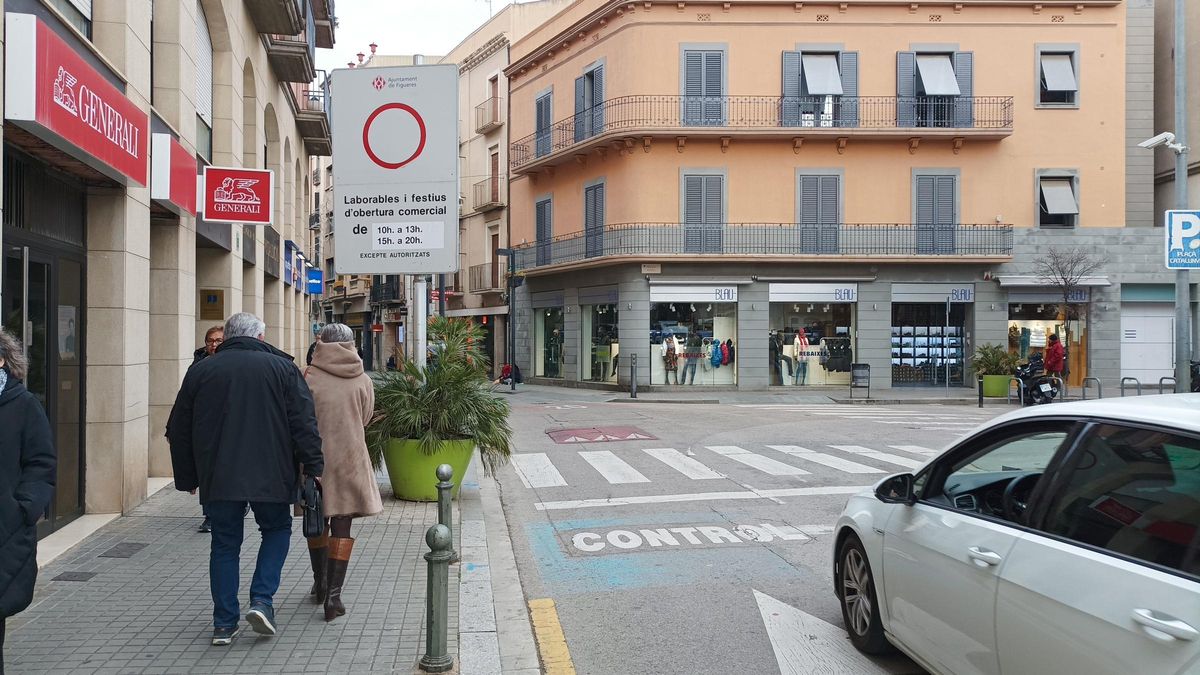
1183 240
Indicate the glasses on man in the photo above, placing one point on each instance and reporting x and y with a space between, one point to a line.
213 341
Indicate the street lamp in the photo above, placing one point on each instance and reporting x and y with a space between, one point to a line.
1177 143
511 254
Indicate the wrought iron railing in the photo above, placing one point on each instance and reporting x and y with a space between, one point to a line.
776 239
314 221
386 291
488 193
489 114
630 113
483 278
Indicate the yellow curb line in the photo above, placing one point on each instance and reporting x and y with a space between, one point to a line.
552 643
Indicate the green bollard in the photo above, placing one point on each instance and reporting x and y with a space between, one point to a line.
445 517
436 660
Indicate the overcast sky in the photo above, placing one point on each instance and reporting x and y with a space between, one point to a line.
430 27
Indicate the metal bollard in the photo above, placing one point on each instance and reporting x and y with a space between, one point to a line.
436 660
633 376
1135 381
1162 382
1099 387
444 473
980 391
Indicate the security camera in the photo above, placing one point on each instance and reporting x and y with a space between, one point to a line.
1165 138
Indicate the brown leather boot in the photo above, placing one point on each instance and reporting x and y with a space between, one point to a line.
339 559
318 553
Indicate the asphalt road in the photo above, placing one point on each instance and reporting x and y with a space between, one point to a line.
700 541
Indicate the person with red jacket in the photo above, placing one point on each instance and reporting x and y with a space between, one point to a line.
1054 356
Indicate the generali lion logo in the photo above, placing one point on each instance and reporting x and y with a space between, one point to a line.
64 91
236 191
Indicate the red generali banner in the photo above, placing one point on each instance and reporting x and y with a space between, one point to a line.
237 195
52 92
172 174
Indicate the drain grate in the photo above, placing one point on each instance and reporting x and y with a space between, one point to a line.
74 576
123 550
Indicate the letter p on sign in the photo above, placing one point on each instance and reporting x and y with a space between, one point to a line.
1184 230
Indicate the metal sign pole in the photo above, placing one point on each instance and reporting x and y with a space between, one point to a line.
421 302
1183 300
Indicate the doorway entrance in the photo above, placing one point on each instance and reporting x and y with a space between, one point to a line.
43 306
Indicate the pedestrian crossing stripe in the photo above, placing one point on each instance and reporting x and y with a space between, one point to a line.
536 470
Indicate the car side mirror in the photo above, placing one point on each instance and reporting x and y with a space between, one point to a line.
897 490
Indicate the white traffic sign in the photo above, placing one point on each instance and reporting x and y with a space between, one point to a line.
1183 240
395 181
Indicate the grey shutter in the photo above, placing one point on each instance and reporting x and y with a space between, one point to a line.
964 68
542 115
693 87
810 214
714 95
926 202
204 67
714 213
693 213
847 106
906 89
582 119
944 217
597 101
545 231
789 112
593 216
829 214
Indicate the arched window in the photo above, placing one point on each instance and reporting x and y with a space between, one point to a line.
204 85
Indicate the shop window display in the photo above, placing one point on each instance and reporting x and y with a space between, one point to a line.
810 344
693 343
928 344
548 349
1031 324
601 348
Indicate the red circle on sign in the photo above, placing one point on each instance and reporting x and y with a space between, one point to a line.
367 131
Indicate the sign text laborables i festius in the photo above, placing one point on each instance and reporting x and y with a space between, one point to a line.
395 189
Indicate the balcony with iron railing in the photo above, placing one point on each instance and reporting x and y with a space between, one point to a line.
285 17
325 18
293 57
784 242
387 291
489 194
489 115
312 120
635 119
484 278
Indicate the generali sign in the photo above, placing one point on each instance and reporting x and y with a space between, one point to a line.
52 92
234 195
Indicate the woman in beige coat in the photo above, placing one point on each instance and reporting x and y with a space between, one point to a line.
345 401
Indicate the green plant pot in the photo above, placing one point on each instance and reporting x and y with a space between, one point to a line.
995 386
413 473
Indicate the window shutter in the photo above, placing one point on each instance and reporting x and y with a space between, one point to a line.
542 120
581 109
943 215
926 198
693 87
593 215
810 213
545 230
713 213
829 214
847 114
693 213
964 105
906 89
714 96
204 68
790 105
597 101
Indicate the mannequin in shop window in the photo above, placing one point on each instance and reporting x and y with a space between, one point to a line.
773 358
670 354
692 357
800 354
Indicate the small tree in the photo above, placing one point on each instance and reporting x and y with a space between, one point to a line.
1065 270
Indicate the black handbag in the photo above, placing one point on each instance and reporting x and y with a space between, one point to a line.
312 508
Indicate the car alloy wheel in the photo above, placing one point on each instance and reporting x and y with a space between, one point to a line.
860 603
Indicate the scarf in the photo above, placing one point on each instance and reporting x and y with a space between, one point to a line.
3 379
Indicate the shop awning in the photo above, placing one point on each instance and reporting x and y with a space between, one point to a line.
1057 72
821 76
1032 281
937 75
1059 197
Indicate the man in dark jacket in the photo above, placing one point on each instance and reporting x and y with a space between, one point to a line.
242 423
27 476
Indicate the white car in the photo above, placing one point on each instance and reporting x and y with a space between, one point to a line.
1058 539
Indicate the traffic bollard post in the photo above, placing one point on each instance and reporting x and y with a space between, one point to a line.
980 391
633 376
445 516
436 660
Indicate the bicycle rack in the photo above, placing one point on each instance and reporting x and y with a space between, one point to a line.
1099 387
1135 381
1062 386
1161 380
1020 391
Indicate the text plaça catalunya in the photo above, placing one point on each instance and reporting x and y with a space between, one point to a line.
697 535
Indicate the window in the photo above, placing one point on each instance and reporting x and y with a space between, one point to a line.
1058 78
977 481
703 213
935 89
1135 492
78 13
543 120
589 103
204 85
593 220
935 197
818 209
820 89
703 87
1058 202
543 215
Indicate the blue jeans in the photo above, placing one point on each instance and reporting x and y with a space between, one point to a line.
227 518
689 366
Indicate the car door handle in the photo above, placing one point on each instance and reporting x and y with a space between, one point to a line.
983 557
1163 627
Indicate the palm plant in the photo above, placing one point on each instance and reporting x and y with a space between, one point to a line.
450 399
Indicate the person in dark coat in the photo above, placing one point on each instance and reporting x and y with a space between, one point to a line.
213 338
27 473
242 422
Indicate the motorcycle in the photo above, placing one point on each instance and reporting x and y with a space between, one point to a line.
1037 388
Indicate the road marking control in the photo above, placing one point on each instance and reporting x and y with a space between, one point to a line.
552 643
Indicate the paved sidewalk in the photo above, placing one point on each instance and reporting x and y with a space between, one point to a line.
149 610
551 394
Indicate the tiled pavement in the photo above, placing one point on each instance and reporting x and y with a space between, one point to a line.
152 613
